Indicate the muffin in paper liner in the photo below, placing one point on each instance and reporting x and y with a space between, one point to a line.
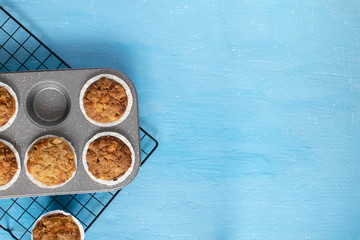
128 94
31 177
17 157
81 229
119 179
12 119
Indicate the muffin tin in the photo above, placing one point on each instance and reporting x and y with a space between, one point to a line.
49 104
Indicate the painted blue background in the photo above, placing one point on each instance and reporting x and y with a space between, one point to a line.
256 105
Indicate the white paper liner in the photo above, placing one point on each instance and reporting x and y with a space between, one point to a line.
13 94
82 233
121 178
128 94
31 176
17 157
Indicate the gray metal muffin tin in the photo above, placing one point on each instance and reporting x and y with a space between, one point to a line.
54 95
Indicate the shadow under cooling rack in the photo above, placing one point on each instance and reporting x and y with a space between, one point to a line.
20 50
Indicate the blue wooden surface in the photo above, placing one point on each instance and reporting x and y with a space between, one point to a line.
256 105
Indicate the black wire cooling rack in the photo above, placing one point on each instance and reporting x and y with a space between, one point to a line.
20 50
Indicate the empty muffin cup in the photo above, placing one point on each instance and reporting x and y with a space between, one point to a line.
50 161
10 166
57 225
48 104
105 100
108 158
8 106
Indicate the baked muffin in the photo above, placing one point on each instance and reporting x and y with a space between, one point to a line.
105 101
51 161
108 158
56 226
7 106
8 164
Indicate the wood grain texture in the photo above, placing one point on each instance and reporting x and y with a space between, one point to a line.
256 105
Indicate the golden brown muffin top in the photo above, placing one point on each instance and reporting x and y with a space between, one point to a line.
8 164
51 161
56 227
7 106
108 158
105 101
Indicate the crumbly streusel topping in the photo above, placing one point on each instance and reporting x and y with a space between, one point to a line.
51 161
56 227
108 158
105 101
8 164
7 106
